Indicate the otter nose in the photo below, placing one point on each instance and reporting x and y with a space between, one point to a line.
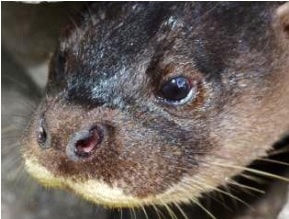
83 143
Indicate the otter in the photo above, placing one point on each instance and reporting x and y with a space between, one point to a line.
152 104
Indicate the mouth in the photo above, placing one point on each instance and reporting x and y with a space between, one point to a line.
91 190
99 192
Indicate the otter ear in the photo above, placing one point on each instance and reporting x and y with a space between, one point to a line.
282 13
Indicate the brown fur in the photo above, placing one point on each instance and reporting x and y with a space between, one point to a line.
240 110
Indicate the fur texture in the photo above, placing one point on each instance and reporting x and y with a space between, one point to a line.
108 70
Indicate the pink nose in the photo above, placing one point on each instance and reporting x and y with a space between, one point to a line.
82 144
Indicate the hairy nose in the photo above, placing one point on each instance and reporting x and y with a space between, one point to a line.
82 144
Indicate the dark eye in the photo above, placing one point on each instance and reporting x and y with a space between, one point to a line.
41 134
177 90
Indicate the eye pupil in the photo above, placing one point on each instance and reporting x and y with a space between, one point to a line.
176 89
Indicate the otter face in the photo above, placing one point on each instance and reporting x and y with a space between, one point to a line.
152 103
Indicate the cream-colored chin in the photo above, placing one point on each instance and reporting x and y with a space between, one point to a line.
101 193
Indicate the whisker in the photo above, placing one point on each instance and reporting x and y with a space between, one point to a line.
258 172
10 169
196 202
201 187
181 210
9 128
274 161
246 187
222 201
279 151
254 178
120 213
10 147
170 211
158 212
130 213
133 211
95 208
144 211
233 200
229 194
18 177
9 164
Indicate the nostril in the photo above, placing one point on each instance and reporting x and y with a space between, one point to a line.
89 143
41 134
84 143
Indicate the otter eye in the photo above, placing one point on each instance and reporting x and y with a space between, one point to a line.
177 90
41 134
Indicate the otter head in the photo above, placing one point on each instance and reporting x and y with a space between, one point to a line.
152 103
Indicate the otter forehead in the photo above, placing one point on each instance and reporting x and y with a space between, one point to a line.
119 50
